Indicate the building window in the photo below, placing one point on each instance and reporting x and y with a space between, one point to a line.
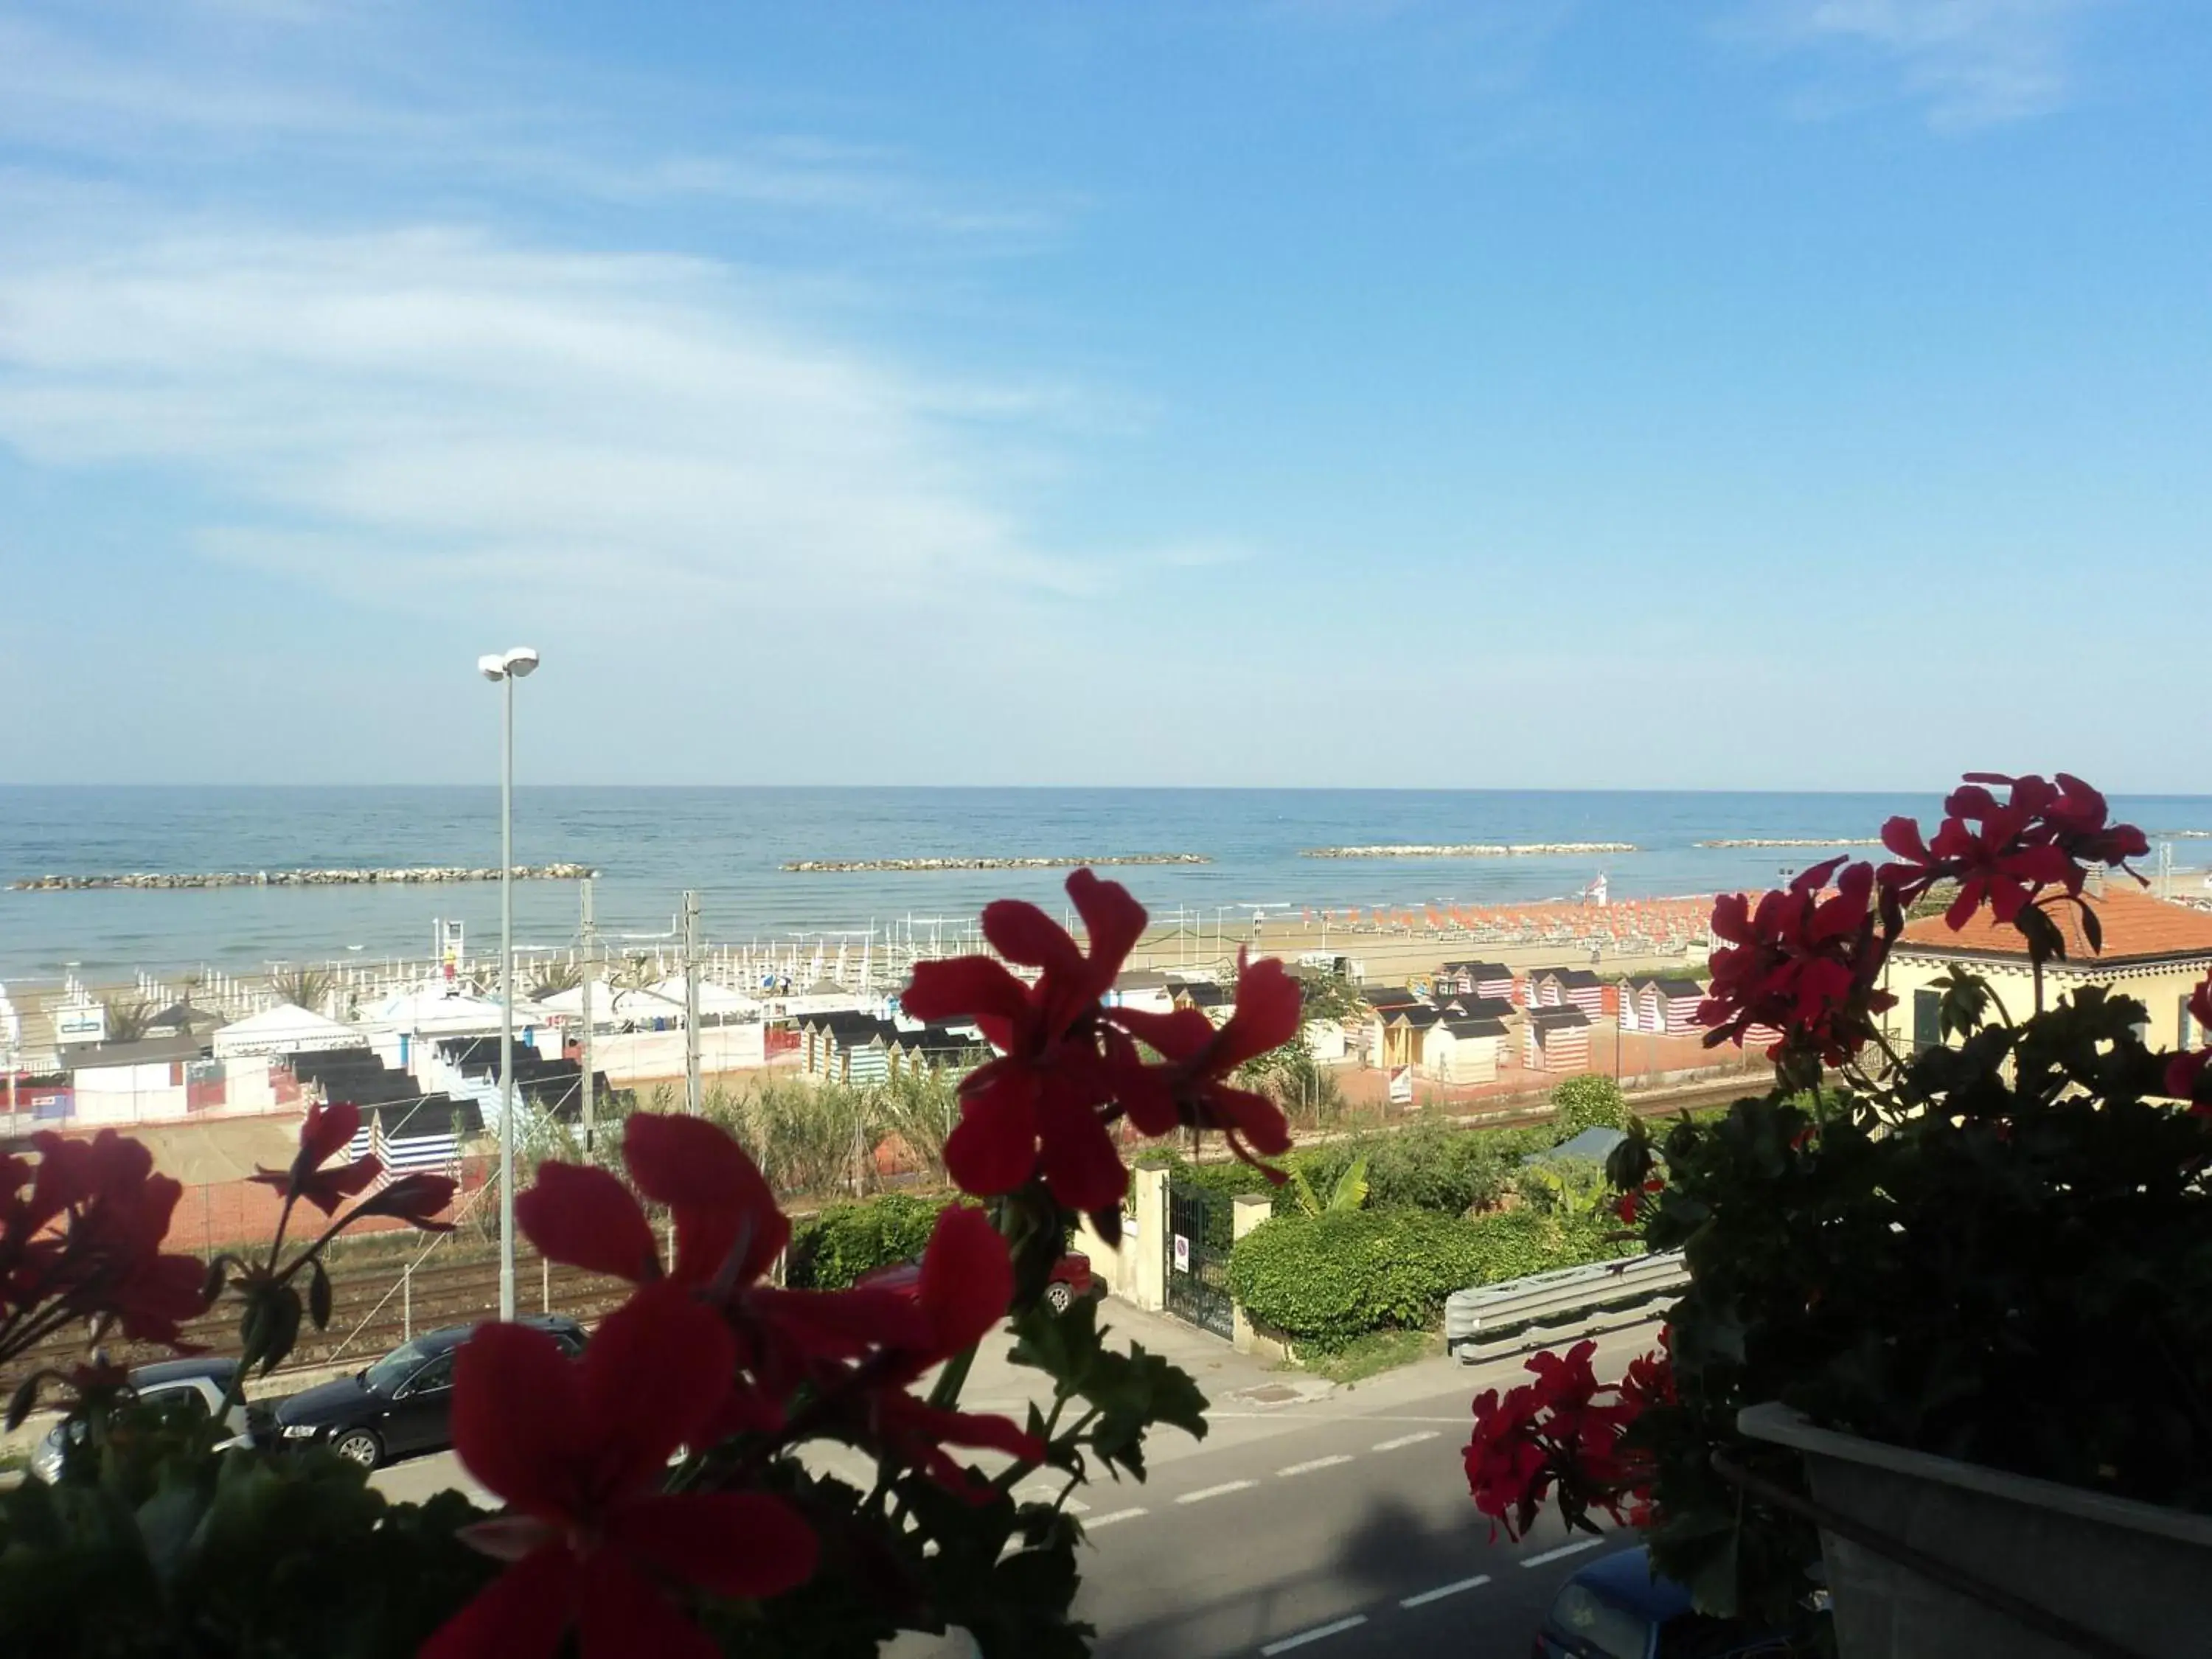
2183 1038
1927 1020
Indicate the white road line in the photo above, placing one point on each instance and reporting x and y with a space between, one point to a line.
1313 1635
1313 1463
1443 1590
1563 1551
1221 1490
1108 1520
1406 1440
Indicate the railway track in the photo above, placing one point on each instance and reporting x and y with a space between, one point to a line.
377 1306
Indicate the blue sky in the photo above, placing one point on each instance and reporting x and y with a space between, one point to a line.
1791 393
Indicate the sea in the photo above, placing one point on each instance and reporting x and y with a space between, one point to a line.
727 844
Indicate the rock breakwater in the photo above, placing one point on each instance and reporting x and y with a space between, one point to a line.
165 880
847 867
1762 842
1471 850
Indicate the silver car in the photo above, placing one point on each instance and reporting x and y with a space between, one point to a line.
173 1380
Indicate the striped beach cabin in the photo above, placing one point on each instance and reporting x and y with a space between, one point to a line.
418 1136
1580 988
1557 1039
845 1046
955 1050
1482 979
1666 1006
1456 1049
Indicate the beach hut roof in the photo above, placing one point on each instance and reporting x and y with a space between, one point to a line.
1387 996
1475 1028
1677 988
284 1030
1552 1019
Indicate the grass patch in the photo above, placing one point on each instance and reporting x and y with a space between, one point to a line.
1373 1354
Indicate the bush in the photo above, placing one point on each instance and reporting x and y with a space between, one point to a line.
1589 1101
830 1250
1325 1279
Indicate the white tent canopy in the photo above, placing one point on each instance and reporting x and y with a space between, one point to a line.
285 1029
429 1011
713 998
570 1004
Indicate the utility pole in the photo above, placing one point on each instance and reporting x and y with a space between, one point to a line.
591 955
691 1099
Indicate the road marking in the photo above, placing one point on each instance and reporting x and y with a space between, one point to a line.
1108 1520
1311 1464
1563 1551
1313 1635
1443 1590
1221 1490
1406 1440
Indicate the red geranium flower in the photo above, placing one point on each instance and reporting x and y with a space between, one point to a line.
1799 963
2005 852
2189 1076
1039 1099
326 1131
87 1238
1192 1088
1551 1432
579 1449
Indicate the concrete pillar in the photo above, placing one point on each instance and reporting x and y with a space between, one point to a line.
1144 1244
1250 1209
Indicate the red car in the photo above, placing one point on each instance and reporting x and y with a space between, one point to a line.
1071 1277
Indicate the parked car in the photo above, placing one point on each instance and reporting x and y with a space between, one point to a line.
1071 1277
1614 1608
399 1405
172 1382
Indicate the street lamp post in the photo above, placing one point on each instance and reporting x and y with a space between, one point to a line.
505 668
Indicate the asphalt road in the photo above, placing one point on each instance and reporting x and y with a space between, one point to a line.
1330 1523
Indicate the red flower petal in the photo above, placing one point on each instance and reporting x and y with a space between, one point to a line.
722 1201
326 1131
1269 1004
1021 933
622 1615
520 1614
967 1278
1902 837
517 1405
656 1370
586 1218
965 987
993 1148
1082 1166
730 1543
417 1199
1114 920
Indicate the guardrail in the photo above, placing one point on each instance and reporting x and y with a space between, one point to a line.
1486 1320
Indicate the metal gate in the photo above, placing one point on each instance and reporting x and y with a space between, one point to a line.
1197 1251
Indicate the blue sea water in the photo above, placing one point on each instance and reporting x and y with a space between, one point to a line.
651 843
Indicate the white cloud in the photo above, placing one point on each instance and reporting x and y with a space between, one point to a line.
1970 63
383 410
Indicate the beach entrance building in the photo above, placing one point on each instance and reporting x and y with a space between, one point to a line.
2154 951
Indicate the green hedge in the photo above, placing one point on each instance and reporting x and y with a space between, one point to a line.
1588 1100
829 1251
1326 1279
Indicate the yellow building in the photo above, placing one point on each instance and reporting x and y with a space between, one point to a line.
2154 951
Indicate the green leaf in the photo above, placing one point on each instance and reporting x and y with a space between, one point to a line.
318 1295
25 1397
166 1522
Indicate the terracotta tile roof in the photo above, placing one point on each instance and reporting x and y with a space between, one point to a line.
2136 926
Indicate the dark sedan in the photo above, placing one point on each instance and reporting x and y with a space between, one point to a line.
399 1405
1615 1608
